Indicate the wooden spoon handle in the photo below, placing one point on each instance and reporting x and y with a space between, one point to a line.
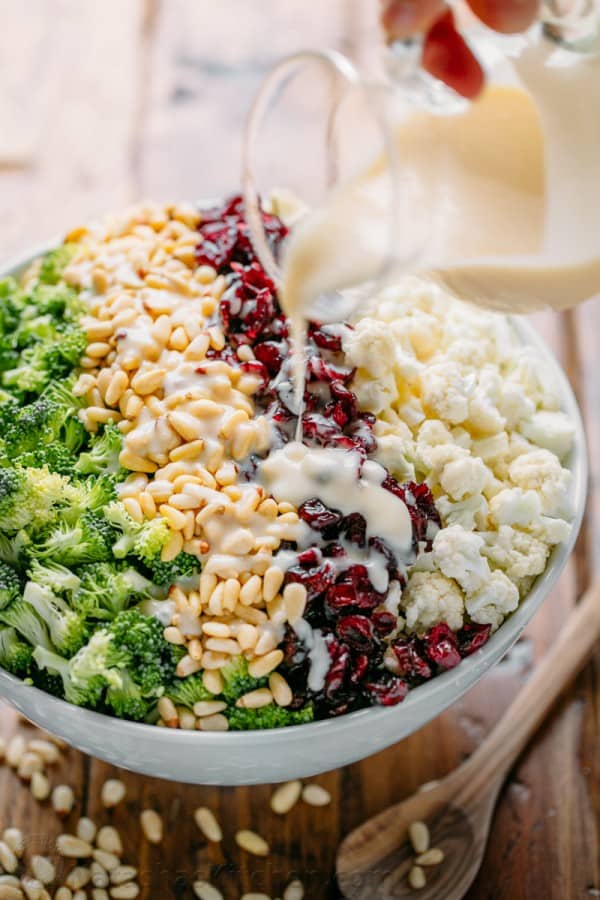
564 660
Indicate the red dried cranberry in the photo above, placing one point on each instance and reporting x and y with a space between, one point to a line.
441 646
319 516
356 631
472 636
360 667
354 527
269 353
340 658
316 580
387 691
384 622
319 370
334 551
217 245
324 339
409 656
310 557
254 367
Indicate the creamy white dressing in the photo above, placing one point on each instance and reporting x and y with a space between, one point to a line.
318 654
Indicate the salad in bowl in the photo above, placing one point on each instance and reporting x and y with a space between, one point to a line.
186 543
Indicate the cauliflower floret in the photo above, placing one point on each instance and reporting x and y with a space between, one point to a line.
551 531
531 373
412 412
514 506
518 553
457 553
371 348
492 602
464 476
431 598
470 513
445 391
395 454
435 447
514 404
552 430
541 471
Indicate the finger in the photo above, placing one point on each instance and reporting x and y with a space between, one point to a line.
447 56
404 18
506 16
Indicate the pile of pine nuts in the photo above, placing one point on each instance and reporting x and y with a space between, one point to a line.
419 837
188 422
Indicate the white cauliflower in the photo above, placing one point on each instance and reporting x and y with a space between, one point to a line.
514 506
445 391
542 472
464 476
551 531
395 454
514 404
457 553
493 601
470 513
371 348
550 429
431 598
518 553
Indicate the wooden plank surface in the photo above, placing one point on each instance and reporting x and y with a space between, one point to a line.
115 101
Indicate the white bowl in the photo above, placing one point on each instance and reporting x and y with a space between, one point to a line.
254 757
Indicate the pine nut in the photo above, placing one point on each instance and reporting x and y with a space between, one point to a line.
33 889
13 838
168 713
294 891
10 892
252 843
294 599
80 895
152 826
144 383
431 857
173 547
197 348
64 893
63 799
255 699
206 891
285 797
207 823
185 425
113 792
272 581
99 894
15 750
43 869
416 878
212 681
418 833
8 859
134 509
73 847
258 668
40 786
187 666
191 450
116 388
78 877
122 874
282 692
109 839
251 591
30 763
127 891
255 896
107 860
99 875
47 750
209 707
213 723
315 795
136 463
11 880
247 636
86 830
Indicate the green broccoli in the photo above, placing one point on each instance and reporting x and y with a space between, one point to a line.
103 455
54 456
8 408
187 691
10 585
105 590
12 304
45 360
21 616
88 540
29 497
126 699
14 550
57 578
183 566
55 262
52 417
68 629
271 716
152 660
142 539
82 683
16 656
237 680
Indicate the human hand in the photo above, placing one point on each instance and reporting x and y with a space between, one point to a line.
446 55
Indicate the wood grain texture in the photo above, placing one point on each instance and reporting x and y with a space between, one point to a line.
116 101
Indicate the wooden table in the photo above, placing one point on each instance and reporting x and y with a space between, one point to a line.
105 103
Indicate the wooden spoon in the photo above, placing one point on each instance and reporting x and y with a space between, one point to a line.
374 860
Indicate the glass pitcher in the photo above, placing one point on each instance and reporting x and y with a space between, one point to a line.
498 200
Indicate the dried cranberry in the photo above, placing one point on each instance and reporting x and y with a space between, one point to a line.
472 636
410 659
356 631
319 516
340 658
269 353
310 557
316 580
360 667
441 646
384 622
387 691
325 339
319 370
354 527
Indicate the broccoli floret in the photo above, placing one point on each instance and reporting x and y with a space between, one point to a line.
152 660
55 262
237 680
20 616
63 354
143 539
88 540
271 716
48 358
68 629
9 406
79 686
12 304
183 566
29 496
57 578
10 585
103 456
126 699
16 656
187 691
52 417
54 456
14 550
104 590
